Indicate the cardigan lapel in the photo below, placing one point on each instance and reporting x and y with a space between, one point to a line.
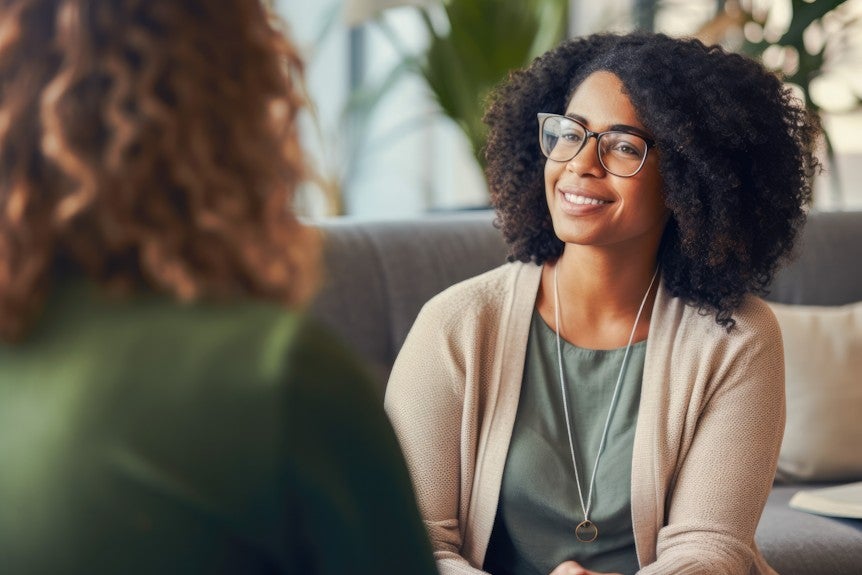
501 407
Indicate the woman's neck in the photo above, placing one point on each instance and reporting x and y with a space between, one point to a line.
599 295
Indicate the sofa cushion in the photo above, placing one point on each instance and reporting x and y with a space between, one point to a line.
798 543
825 269
378 274
823 365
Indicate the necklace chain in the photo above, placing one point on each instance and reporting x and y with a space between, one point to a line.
585 507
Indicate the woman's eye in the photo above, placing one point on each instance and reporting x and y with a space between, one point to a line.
626 147
572 137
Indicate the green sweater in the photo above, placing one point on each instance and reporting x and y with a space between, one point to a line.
143 436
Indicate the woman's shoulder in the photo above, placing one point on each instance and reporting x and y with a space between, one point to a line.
490 289
688 345
472 312
685 331
754 315
753 319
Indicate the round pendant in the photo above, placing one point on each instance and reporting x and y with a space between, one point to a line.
586 531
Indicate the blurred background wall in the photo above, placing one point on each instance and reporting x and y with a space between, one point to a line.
396 84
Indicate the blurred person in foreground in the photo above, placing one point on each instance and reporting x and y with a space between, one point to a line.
164 406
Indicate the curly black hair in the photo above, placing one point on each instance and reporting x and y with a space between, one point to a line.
735 153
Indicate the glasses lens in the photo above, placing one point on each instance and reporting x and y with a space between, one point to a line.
622 153
561 138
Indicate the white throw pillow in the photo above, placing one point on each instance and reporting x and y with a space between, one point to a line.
823 365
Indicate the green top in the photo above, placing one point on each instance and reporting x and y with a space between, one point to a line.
142 436
539 506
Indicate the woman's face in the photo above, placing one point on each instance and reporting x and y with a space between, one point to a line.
589 205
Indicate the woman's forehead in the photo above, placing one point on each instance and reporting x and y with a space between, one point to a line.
601 100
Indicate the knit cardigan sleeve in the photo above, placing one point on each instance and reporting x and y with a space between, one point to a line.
452 414
425 400
714 423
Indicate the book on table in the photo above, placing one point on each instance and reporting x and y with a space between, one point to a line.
838 501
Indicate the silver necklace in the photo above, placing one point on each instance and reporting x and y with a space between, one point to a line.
587 531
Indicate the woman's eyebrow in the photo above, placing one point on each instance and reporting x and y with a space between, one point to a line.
617 127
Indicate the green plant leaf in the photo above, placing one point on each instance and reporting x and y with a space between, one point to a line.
805 14
485 41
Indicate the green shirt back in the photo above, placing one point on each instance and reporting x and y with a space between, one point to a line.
140 436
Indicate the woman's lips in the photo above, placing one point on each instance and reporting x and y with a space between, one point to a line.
577 202
578 199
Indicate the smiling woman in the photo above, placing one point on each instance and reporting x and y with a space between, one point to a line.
609 193
611 401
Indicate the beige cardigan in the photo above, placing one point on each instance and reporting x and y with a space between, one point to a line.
708 432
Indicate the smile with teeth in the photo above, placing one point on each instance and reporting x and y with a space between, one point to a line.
583 200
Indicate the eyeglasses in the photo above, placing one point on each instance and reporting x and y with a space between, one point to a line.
621 153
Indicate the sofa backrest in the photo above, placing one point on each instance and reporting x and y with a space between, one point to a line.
378 274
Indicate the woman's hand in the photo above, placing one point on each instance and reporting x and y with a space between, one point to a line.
573 568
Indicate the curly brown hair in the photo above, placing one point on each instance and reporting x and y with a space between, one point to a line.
150 144
735 154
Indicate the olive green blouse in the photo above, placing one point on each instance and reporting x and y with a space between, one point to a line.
539 506
141 436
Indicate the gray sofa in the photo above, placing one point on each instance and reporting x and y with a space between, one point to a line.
378 274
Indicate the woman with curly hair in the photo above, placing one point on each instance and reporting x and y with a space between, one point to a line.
165 406
612 401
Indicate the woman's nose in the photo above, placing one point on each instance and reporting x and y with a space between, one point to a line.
586 161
